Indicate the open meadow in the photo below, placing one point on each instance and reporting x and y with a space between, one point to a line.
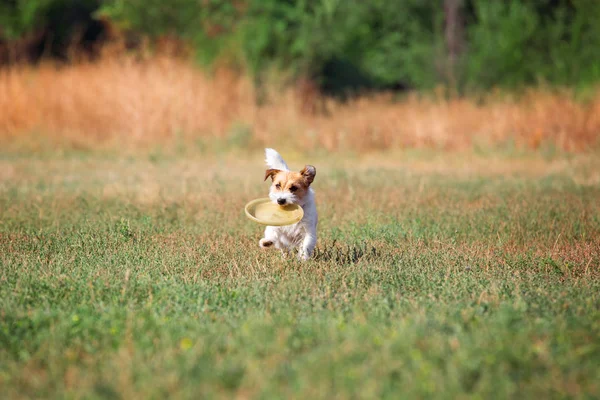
446 275
457 154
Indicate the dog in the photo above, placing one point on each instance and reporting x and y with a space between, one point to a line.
290 187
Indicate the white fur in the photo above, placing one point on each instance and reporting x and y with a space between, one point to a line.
304 233
274 160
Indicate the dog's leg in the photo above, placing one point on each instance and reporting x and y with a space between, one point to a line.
270 238
265 243
308 244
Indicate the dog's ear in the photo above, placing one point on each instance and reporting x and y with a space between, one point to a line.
271 173
309 172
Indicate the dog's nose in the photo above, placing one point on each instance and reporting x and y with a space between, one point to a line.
281 201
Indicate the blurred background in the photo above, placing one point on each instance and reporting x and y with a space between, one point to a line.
327 75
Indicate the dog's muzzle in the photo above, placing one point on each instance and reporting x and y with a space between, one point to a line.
281 201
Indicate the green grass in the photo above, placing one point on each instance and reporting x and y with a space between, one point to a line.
439 277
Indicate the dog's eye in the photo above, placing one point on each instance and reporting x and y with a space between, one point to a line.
293 188
278 186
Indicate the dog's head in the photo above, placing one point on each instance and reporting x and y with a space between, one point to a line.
290 187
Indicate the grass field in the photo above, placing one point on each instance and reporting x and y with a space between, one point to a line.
449 276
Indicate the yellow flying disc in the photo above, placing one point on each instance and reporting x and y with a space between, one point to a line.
265 212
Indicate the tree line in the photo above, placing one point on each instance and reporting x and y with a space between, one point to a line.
344 46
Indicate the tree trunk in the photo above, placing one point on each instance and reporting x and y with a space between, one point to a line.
454 38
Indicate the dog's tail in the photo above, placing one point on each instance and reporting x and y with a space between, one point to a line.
274 160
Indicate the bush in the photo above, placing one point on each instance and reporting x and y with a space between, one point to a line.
368 44
512 44
20 17
32 28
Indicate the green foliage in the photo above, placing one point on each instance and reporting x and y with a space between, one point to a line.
375 43
352 45
500 44
574 57
20 17
50 27
355 44
512 44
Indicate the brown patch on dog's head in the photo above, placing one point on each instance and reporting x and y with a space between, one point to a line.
290 185
309 172
271 173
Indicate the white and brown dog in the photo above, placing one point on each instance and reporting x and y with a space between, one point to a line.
291 188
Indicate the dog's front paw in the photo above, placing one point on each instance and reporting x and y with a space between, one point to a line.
303 255
264 243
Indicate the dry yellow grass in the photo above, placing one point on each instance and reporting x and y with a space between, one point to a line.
133 102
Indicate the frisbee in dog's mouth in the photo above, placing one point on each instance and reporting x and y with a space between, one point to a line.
265 212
